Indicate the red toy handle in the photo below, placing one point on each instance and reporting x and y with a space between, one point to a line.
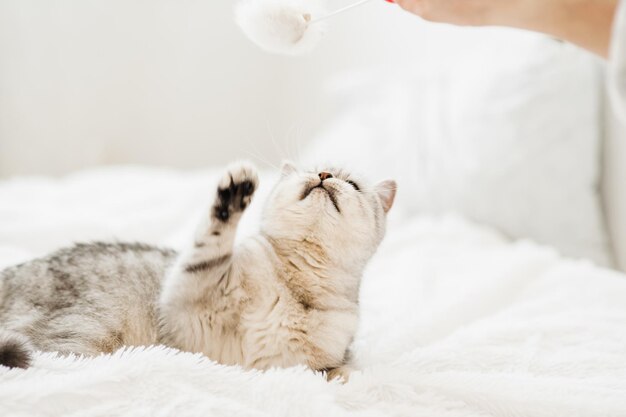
389 1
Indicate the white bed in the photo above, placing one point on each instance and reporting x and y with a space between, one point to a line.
462 314
456 319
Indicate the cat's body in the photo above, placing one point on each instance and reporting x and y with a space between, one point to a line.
286 296
86 299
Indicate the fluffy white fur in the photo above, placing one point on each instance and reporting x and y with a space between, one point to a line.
456 322
282 26
289 294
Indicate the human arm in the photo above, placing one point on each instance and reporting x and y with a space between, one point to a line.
586 23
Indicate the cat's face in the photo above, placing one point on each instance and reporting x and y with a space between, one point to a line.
331 207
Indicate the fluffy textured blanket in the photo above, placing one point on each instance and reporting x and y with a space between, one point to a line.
456 321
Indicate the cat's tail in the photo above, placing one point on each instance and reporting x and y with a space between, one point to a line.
15 350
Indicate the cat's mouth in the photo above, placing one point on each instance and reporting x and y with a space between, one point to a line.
320 188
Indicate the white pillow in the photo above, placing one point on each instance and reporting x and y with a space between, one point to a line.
508 134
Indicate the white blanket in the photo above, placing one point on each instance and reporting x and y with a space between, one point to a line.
456 320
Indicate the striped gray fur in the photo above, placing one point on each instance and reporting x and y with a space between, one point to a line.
286 296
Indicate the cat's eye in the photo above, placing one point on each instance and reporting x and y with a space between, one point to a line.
353 184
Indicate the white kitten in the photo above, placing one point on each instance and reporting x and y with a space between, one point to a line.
289 295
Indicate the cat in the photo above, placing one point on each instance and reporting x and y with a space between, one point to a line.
283 297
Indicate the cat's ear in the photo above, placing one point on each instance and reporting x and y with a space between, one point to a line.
386 191
287 168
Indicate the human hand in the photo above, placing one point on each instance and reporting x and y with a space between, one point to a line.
462 12
586 23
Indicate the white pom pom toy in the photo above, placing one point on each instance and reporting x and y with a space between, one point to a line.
291 27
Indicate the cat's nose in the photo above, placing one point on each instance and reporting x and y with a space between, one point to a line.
325 175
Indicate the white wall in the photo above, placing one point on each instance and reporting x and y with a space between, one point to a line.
87 82
174 82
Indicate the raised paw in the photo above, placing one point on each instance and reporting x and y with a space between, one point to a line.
235 190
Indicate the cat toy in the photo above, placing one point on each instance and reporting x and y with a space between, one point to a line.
291 27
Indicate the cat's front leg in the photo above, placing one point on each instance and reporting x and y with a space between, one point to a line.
205 266
215 235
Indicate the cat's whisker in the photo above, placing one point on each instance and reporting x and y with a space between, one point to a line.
298 144
258 159
261 159
291 142
295 144
256 155
289 139
279 151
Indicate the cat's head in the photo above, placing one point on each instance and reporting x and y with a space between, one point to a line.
332 208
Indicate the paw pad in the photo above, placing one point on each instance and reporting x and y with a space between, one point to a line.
235 190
